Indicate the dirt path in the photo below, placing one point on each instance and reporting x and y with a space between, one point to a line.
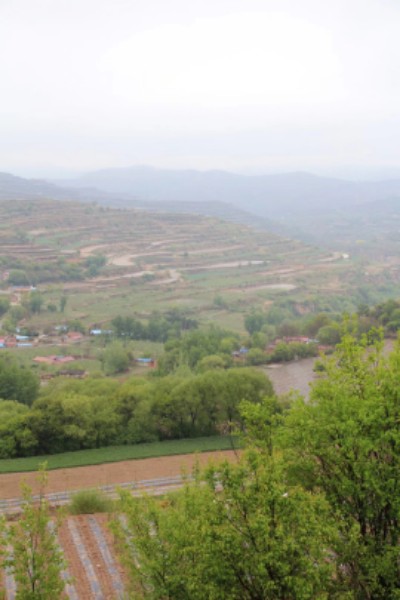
174 276
62 480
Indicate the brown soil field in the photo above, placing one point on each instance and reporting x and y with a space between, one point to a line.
62 480
93 569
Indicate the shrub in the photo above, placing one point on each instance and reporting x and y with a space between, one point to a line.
87 502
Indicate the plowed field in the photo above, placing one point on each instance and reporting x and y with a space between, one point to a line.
62 480
93 570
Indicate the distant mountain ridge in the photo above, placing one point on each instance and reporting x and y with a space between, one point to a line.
272 196
324 211
19 188
13 187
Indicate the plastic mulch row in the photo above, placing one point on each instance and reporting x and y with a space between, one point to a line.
107 557
10 584
86 562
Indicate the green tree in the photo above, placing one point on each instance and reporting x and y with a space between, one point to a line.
94 264
35 302
259 340
288 328
346 442
17 383
115 359
255 356
16 438
314 323
69 417
14 316
18 277
329 334
212 362
254 322
4 306
63 303
36 559
238 533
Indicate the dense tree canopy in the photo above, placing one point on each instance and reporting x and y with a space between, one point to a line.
243 536
312 509
17 383
73 415
346 442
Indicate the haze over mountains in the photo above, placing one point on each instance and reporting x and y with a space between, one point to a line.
272 196
326 211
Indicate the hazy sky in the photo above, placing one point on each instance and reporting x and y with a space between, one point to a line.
247 85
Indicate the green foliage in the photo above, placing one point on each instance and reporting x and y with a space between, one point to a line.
254 322
159 328
346 443
115 359
75 415
76 325
238 533
87 502
36 561
18 277
386 314
288 328
214 361
4 306
284 352
16 438
194 346
259 340
63 303
220 302
35 301
94 263
314 323
17 383
317 519
329 334
255 356
30 273
16 314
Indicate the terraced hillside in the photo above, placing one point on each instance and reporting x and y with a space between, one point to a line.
157 260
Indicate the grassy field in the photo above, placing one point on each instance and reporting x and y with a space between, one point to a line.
118 453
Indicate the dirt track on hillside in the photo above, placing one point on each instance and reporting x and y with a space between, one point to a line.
76 478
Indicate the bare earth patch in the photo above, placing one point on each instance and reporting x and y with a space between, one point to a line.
61 480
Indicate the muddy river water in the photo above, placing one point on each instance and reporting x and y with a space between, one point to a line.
298 375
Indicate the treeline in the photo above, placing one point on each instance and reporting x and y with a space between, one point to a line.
214 347
311 511
288 319
158 328
199 349
92 413
26 273
386 314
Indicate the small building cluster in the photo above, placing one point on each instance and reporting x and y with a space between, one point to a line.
16 341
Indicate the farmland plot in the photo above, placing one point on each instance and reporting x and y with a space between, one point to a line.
93 571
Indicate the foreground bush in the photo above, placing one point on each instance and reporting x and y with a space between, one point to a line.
88 502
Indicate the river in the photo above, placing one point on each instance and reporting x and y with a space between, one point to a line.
298 374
